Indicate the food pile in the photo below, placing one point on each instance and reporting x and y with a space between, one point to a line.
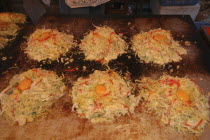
178 102
10 24
157 46
9 17
103 44
103 96
48 44
29 95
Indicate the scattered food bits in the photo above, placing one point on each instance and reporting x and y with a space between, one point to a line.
62 60
4 58
63 75
169 66
49 62
4 72
129 23
127 75
177 67
187 43
84 67
124 37
71 60
66 63
171 70
132 27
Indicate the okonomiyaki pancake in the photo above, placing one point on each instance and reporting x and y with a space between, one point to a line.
29 95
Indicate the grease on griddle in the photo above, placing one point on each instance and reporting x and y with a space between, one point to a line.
127 63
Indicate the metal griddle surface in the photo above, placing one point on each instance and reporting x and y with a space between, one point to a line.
194 65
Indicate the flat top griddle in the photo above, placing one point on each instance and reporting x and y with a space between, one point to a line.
61 124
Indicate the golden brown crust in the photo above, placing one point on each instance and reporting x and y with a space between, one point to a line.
13 17
3 42
7 28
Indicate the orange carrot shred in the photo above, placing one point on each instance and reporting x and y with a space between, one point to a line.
99 60
186 124
71 69
169 109
124 105
199 123
169 121
83 83
38 81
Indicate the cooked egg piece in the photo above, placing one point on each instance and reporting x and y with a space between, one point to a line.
44 36
100 89
24 84
182 95
160 37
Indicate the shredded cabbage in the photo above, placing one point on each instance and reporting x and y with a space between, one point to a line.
48 43
103 44
103 96
8 29
3 42
29 94
179 103
157 46
11 17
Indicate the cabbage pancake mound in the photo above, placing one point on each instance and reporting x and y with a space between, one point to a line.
48 44
103 96
103 44
13 17
179 102
3 42
8 29
157 46
30 94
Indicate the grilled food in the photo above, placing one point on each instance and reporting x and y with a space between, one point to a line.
29 95
13 17
8 29
103 44
48 44
157 46
178 102
103 96
3 42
